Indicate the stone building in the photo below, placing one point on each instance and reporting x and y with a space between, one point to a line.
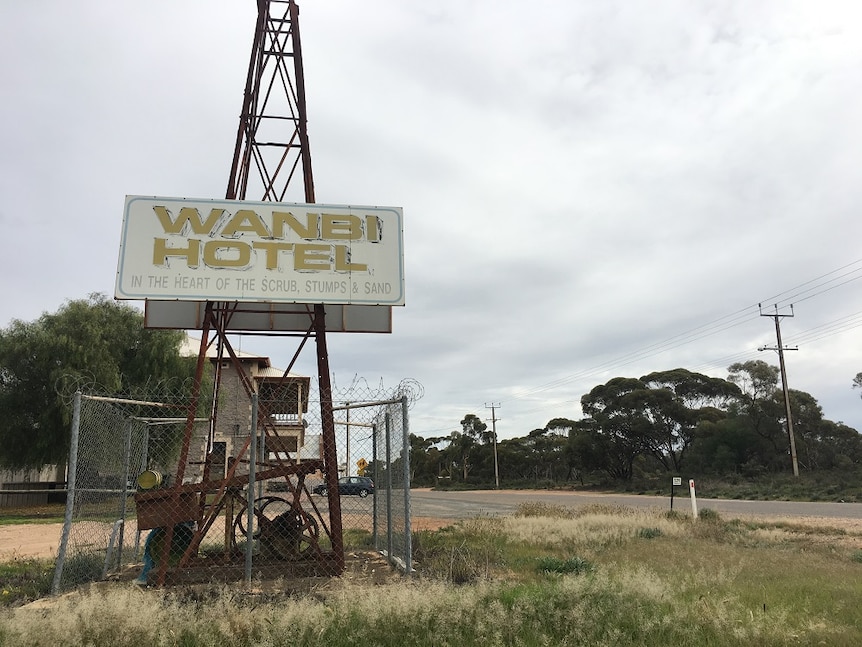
284 399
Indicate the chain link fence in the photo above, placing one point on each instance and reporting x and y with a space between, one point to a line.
161 496
373 436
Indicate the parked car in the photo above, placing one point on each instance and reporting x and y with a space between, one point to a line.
361 485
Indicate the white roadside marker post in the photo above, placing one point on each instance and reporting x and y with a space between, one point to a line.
693 498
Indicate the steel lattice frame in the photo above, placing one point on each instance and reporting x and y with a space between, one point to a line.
271 154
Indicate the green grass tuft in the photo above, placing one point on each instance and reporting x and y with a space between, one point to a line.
25 580
572 565
649 533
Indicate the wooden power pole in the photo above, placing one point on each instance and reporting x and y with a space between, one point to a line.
493 407
781 348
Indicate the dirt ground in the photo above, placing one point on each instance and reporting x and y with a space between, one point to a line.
26 541
42 540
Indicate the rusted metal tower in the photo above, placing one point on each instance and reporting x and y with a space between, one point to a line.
271 156
272 152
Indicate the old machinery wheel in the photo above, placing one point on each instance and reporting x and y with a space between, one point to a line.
284 531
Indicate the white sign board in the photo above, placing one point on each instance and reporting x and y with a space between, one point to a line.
249 317
263 252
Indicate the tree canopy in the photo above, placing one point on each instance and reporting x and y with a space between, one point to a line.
674 421
95 340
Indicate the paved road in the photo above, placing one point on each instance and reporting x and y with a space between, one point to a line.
460 505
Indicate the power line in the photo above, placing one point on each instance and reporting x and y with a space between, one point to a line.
721 324
817 333
829 329
801 292
716 326
794 297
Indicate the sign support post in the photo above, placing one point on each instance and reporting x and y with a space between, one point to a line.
676 482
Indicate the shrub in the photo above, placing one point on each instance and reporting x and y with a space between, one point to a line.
82 569
649 533
707 514
573 565
456 564
461 554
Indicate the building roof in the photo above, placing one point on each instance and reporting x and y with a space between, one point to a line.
190 347
277 373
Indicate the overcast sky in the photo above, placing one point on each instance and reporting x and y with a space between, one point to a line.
591 189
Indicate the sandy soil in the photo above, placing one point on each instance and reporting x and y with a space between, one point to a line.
42 540
23 541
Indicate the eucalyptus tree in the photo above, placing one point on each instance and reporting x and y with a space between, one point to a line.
807 424
547 451
426 460
623 428
677 402
839 447
585 450
757 382
821 443
473 426
463 444
761 404
564 431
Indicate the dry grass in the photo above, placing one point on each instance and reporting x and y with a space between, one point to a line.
590 528
684 582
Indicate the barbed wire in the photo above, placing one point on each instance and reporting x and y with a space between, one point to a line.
170 390
412 389
70 383
359 390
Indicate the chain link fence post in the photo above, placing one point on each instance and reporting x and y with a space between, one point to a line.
405 453
70 493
